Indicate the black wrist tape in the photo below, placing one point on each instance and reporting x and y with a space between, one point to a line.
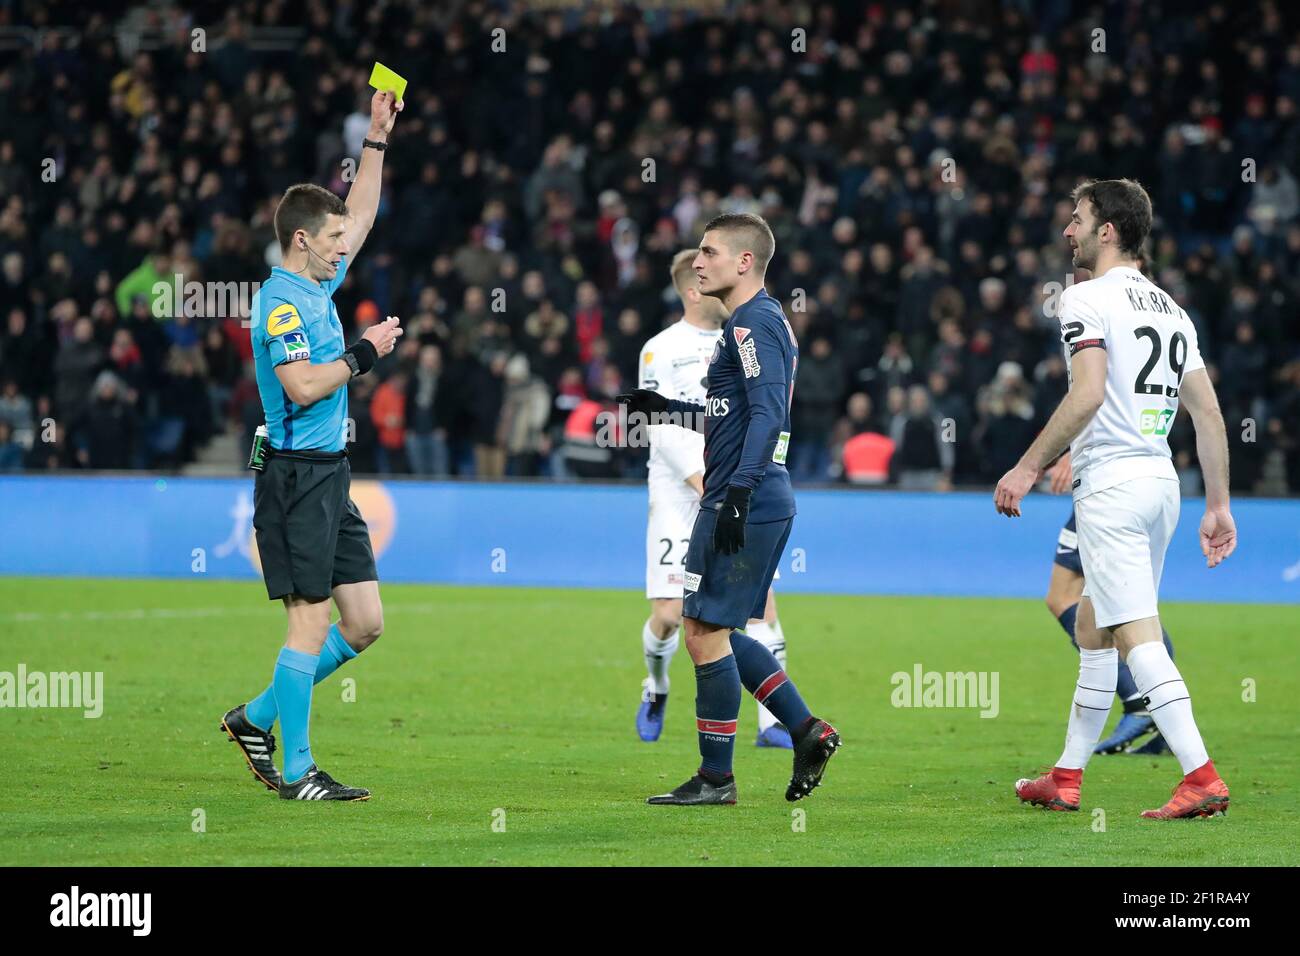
365 354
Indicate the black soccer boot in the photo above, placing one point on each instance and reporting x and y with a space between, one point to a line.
698 791
812 751
256 744
316 784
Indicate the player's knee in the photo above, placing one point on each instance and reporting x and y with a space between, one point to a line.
366 630
1059 600
665 623
697 646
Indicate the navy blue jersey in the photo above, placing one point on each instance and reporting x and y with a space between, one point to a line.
747 409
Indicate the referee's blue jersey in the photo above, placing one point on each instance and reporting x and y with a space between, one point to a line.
294 320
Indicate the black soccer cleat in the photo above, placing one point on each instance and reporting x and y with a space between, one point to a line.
256 744
316 784
698 792
812 752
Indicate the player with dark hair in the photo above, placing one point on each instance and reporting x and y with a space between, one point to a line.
311 539
1132 358
745 515
674 362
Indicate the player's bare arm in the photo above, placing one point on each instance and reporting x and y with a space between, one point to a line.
363 197
1218 530
306 382
1087 391
1060 474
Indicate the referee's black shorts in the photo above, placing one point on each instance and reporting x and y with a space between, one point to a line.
310 536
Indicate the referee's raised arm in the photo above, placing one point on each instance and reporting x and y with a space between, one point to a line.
363 197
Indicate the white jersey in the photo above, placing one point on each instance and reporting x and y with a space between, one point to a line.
1150 345
675 363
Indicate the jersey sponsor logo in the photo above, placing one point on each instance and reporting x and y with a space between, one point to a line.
1087 344
1156 421
691 581
740 333
782 448
716 407
295 346
283 318
1071 331
749 359
682 362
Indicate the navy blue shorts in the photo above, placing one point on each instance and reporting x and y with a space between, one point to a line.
1067 547
730 589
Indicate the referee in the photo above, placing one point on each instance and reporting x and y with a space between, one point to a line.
312 540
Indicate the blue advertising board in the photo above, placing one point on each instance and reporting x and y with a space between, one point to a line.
580 535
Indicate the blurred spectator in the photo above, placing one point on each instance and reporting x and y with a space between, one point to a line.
388 412
525 409
426 436
11 450
819 385
110 426
923 458
76 365
16 412
865 453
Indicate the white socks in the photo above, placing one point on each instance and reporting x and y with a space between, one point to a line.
1168 702
770 636
1098 674
658 655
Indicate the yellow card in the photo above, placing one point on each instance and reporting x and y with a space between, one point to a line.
382 78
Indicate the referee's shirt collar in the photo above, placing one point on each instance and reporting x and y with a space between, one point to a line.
292 277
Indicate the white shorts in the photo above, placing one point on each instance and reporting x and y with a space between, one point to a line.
668 532
1124 532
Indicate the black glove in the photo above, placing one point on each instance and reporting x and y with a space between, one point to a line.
643 400
729 531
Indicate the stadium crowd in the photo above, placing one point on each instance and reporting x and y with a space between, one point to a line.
914 160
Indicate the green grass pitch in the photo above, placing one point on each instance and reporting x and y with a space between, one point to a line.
515 707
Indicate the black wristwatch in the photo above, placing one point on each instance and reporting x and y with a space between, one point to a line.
374 144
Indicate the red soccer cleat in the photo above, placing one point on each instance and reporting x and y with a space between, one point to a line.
1058 789
1202 793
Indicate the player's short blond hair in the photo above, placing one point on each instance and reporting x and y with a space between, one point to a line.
682 273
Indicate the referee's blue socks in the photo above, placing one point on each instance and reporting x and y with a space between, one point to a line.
294 677
261 710
764 677
717 709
